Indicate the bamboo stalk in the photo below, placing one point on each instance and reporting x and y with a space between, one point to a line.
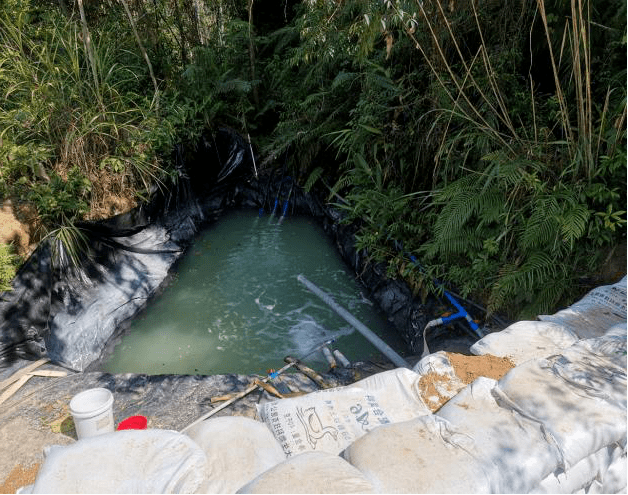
89 49
309 372
143 50
250 389
559 92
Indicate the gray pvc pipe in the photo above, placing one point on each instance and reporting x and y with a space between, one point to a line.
358 325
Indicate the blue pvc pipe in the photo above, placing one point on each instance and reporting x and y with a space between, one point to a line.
462 313
285 202
274 207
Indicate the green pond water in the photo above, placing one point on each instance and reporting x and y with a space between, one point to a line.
235 304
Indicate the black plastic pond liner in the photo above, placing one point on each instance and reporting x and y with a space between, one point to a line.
69 314
75 316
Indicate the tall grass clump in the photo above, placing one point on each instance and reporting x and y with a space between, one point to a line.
77 130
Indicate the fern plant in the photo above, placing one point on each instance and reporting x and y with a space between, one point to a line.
521 237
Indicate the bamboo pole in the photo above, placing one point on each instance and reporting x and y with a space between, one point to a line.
143 50
89 49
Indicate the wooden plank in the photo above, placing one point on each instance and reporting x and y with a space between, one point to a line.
20 373
48 373
14 388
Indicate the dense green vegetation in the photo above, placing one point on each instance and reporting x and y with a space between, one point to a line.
486 138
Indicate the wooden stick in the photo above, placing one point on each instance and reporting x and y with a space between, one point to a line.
309 372
221 406
269 388
236 397
222 398
20 373
271 376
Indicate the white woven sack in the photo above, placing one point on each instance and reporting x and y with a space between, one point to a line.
329 420
437 362
581 475
424 455
526 340
618 330
597 311
311 472
237 448
615 478
128 461
579 423
587 369
516 445
611 345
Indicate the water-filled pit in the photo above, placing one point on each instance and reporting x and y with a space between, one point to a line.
235 305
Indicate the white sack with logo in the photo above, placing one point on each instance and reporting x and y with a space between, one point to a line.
596 312
330 420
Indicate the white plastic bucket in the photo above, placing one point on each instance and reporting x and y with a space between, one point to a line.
92 412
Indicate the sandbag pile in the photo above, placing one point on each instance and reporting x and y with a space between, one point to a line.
555 423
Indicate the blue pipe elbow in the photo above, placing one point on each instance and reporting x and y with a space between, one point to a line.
462 313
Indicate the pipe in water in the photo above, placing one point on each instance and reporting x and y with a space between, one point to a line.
329 357
340 357
358 325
